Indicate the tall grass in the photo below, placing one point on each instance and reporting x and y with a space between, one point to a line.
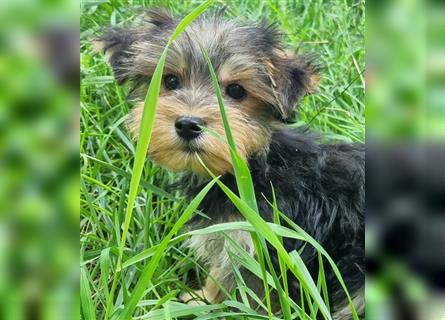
140 271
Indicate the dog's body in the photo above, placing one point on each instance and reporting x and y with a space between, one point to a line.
319 187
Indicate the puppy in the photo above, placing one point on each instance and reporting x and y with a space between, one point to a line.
319 186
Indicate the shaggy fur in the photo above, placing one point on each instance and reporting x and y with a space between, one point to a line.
319 187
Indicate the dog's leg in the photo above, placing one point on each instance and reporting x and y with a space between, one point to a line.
210 292
213 248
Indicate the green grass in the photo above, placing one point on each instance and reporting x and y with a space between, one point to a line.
140 239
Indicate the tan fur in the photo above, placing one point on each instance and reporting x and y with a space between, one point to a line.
210 292
166 148
148 56
358 300
212 250
241 70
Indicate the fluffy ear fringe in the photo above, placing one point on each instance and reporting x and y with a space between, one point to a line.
292 77
116 42
158 17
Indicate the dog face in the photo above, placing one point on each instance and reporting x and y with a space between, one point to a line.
259 81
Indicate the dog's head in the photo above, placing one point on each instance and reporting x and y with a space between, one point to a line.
260 82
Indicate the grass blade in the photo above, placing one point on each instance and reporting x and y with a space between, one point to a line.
283 269
88 309
220 227
243 177
322 278
178 310
105 262
241 170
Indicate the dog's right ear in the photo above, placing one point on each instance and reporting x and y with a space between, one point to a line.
117 42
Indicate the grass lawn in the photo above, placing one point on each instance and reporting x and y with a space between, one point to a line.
333 30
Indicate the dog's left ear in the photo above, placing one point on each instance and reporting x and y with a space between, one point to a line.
117 42
292 77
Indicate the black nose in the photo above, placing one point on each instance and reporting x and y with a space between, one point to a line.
189 128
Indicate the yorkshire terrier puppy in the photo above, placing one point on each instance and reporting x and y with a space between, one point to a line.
319 186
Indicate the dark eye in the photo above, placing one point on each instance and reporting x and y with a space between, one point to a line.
235 91
171 82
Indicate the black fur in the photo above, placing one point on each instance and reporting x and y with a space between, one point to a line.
118 41
319 187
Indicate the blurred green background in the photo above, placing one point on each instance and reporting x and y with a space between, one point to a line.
39 182
405 70
405 186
